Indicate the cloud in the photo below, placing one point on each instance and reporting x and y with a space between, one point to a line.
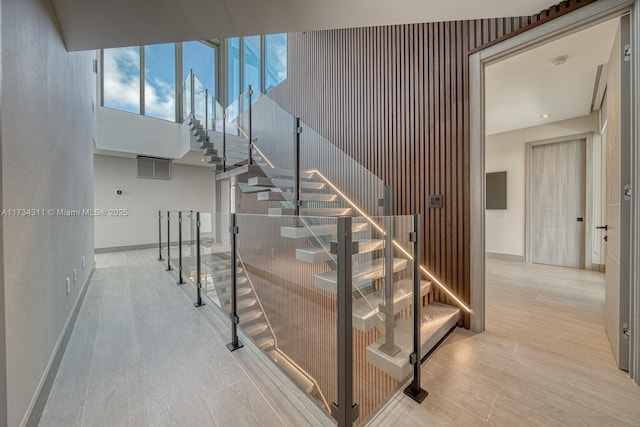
122 85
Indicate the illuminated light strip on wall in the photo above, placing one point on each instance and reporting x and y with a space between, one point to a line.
396 244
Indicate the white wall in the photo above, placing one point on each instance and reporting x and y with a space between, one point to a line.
190 188
47 163
505 229
132 133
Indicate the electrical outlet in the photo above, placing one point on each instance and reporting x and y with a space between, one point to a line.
75 276
273 253
68 286
84 264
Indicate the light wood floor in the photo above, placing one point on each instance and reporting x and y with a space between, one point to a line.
140 355
544 359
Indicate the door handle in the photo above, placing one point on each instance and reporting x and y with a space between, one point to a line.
603 227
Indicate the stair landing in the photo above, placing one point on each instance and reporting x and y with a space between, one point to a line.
437 320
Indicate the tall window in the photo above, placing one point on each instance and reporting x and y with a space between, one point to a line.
275 54
233 69
259 61
121 79
160 81
201 58
251 63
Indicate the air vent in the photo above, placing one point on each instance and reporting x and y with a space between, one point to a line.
153 168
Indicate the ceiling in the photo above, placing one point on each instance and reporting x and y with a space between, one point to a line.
93 24
523 88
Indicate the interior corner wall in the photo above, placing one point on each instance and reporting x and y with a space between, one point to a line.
190 188
48 126
505 228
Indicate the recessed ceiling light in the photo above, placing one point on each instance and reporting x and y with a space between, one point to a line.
559 60
202 159
545 116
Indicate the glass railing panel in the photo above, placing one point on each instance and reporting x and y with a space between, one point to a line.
199 93
321 162
188 246
286 302
186 97
174 241
215 270
164 241
382 310
360 188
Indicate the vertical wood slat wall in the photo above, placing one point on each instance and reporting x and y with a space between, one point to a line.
395 98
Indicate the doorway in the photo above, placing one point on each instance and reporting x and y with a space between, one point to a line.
573 23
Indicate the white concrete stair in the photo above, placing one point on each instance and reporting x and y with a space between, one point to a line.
312 211
437 320
284 183
363 274
319 230
305 197
366 310
319 254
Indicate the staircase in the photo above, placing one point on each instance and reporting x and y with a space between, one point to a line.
253 320
272 184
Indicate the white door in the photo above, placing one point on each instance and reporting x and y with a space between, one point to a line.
558 203
617 282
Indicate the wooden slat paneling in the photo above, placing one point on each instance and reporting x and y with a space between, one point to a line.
395 98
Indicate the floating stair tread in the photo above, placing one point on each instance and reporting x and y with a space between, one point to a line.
286 173
366 313
312 211
284 183
246 303
255 329
264 343
240 292
250 316
240 173
308 197
362 273
320 254
437 320
319 230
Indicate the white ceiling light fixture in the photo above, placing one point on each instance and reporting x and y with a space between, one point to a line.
560 60
545 116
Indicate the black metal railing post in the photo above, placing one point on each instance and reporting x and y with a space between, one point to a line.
169 268
344 410
193 94
233 313
160 236
249 94
297 130
414 390
224 140
206 115
180 278
199 301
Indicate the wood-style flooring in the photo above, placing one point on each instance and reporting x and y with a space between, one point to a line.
141 355
544 359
